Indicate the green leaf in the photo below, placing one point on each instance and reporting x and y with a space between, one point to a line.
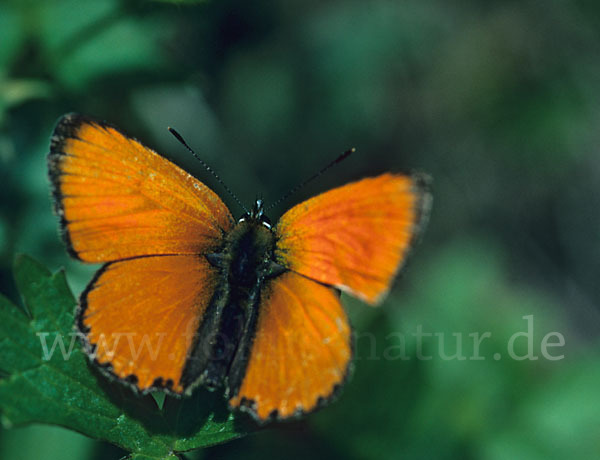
42 382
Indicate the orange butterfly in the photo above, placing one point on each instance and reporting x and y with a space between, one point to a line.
189 296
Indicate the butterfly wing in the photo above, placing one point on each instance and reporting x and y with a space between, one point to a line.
140 316
118 199
354 237
301 349
122 203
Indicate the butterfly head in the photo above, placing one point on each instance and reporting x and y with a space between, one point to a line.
257 214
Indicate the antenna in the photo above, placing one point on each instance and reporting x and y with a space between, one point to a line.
208 168
290 192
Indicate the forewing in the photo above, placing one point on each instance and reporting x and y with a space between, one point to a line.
118 199
355 237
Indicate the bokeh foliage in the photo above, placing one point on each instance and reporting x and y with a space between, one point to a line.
497 100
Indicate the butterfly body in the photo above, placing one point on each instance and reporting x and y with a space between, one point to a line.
187 296
244 264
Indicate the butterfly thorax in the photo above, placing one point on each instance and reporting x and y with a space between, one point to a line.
248 252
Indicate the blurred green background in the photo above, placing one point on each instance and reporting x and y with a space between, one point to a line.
497 100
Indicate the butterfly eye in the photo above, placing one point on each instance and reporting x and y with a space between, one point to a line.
265 221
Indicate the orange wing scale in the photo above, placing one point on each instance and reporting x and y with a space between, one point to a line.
118 199
141 315
354 237
300 352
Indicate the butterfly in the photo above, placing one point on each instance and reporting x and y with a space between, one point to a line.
189 296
